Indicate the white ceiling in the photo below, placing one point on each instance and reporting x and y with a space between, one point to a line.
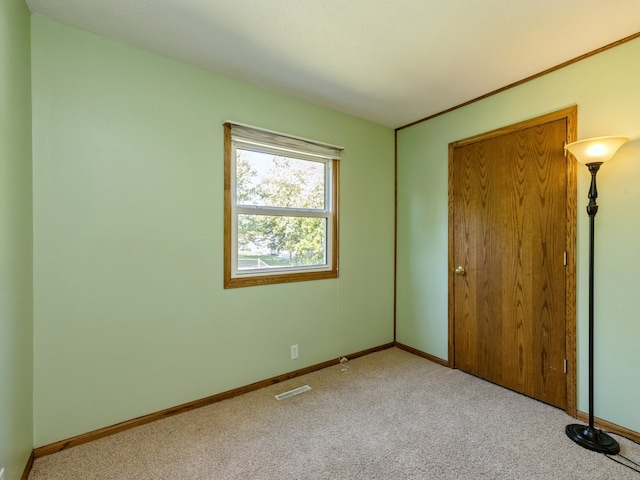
388 61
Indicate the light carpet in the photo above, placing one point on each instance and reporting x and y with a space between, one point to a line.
391 415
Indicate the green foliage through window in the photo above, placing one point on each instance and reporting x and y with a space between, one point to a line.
265 180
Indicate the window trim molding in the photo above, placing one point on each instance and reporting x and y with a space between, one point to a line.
280 277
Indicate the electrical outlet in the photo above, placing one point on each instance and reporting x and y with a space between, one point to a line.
1 473
294 354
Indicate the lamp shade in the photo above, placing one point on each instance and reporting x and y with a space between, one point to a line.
597 149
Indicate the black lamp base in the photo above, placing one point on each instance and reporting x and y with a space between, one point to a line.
592 438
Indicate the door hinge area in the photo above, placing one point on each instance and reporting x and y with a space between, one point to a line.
565 365
564 150
565 259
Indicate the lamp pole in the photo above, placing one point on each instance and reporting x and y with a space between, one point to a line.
592 210
590 437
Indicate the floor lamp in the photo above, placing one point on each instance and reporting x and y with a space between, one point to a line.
593 153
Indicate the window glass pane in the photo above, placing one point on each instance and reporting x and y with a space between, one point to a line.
277 241
267 180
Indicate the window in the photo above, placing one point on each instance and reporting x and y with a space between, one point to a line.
281 208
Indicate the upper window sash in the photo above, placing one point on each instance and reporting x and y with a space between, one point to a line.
328 173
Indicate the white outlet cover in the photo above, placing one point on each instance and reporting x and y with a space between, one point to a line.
1 473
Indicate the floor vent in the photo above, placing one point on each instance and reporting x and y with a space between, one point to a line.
293 392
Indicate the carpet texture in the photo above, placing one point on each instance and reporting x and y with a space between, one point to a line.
391 415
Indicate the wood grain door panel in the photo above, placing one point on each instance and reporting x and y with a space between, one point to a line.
509 203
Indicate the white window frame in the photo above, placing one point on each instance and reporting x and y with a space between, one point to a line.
239 136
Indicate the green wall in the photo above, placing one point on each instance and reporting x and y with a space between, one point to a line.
16 286
130 315
605 89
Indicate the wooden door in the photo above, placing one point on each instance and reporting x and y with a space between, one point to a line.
509 205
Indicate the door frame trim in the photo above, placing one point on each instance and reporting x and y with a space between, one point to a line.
571 116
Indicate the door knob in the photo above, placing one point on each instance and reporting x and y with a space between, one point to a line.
459 270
